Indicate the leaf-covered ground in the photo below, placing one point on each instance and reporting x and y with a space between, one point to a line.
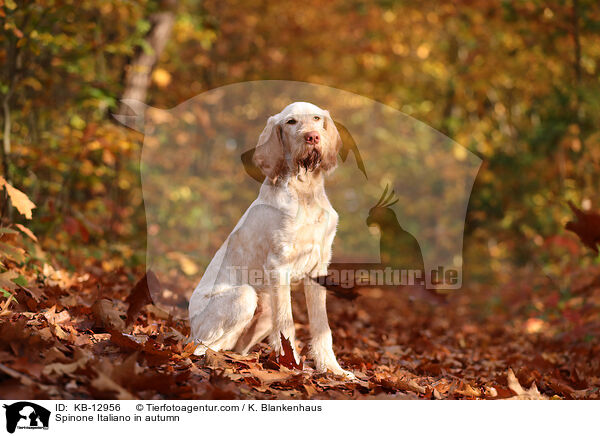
93 335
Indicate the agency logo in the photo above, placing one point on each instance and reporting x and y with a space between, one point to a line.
401 188
26 415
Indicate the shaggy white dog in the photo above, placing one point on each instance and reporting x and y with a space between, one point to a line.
285 236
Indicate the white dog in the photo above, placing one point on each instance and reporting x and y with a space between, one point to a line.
285 236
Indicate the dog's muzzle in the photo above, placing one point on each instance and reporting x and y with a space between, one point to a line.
310 160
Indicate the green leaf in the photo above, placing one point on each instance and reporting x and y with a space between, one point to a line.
21 280
6 294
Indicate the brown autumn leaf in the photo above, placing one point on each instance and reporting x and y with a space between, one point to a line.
149 347
107 388
19 199
267 376
215 359
287 359
587 226
58 369
107 314
6 279
54 317
12 252
36 291
396 383
140 295
468 391
562 388
522 394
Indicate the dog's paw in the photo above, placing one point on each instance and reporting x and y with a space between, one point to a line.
349 375
200 350
346 375
335 369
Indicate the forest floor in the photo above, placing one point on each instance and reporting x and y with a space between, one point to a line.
93 335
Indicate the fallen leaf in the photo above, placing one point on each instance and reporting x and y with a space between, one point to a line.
104 384
522 394
140 295
107 314
287 358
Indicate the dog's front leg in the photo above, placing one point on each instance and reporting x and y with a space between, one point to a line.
321 345
283 321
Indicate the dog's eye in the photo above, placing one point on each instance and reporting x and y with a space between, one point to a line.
316 118
291 121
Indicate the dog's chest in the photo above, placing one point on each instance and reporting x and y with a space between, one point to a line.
306 236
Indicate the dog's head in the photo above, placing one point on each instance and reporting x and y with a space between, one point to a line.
301 138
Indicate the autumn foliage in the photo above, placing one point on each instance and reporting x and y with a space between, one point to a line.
514 82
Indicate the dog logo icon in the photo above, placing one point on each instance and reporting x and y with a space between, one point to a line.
26 415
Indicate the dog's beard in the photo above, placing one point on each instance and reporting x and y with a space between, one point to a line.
309 161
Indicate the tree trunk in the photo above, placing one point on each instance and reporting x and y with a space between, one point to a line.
137 80
139 71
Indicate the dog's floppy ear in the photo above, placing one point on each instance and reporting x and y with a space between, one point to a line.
250 167
349 145
334 142
269 155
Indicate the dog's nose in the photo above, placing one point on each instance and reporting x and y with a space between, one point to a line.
312 137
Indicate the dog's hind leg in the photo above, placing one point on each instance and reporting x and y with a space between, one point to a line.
257 329
218 318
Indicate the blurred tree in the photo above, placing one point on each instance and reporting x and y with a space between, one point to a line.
139 71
